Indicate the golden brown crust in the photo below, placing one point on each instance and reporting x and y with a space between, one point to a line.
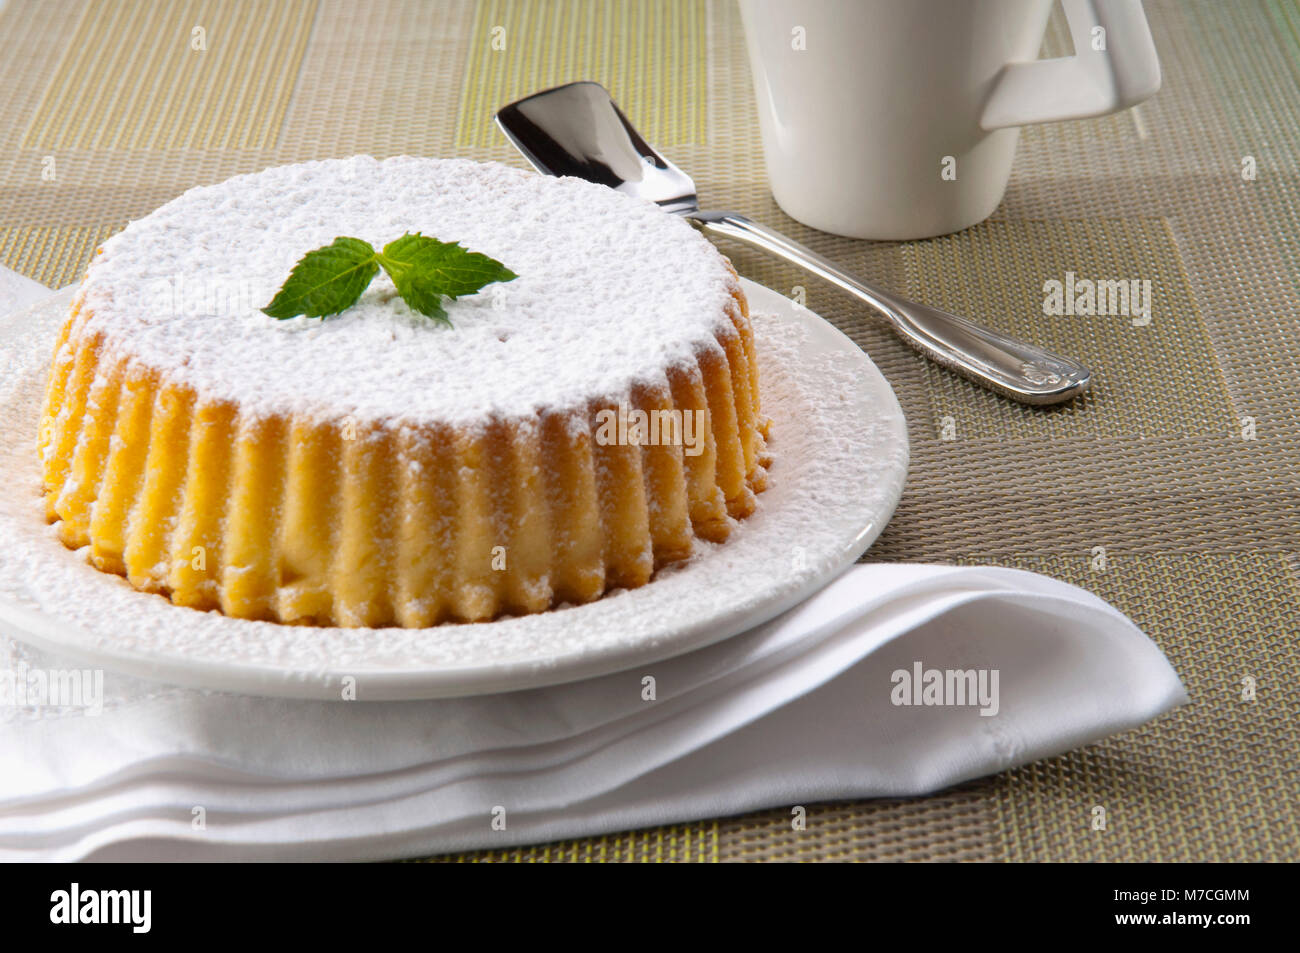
343 523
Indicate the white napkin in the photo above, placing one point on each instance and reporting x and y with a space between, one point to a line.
801 709
18 291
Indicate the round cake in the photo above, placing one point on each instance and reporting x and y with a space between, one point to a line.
569 432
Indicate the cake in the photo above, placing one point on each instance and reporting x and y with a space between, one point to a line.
570 432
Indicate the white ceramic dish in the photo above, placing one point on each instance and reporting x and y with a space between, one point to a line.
841 449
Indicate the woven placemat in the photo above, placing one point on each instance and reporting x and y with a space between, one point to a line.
1171 491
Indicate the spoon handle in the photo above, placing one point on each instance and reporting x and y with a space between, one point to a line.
1014 368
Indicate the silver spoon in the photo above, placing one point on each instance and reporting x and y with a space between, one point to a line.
578 130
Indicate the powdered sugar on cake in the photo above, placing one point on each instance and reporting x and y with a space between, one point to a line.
611 291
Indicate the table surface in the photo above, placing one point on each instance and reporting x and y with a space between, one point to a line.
1171 490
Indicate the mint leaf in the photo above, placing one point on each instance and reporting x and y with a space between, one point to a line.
425 270
326 280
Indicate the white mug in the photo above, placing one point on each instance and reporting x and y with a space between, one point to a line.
898 119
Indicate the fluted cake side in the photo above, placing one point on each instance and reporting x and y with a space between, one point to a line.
337 523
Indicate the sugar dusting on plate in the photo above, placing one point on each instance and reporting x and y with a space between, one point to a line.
841 456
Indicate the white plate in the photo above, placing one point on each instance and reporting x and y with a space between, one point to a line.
840 443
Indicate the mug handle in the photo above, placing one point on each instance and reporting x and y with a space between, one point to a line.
1092 82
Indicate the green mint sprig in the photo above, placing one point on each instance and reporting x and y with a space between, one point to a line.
424 270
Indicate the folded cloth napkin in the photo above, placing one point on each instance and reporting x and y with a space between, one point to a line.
821 703
895 679
18 291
